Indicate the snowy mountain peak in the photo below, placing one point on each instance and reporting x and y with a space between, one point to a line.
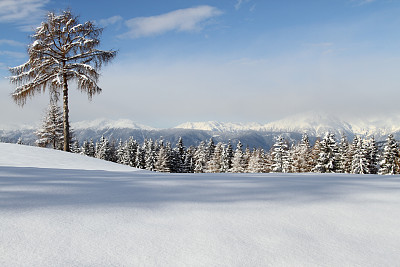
101 124
220 126
311 123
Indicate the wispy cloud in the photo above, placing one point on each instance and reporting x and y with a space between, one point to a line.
110 21
185 20
10 42
239 3
22 12
362 2
12 54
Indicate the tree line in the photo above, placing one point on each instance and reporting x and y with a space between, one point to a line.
361 156
326 155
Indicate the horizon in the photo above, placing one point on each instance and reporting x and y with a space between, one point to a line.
232 61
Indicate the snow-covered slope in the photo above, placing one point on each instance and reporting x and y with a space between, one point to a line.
312 123
101 124
105 216
220 126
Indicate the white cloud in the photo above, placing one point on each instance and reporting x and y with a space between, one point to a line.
23 12
10 42
189 19
12 54
110 21
362 2
239 3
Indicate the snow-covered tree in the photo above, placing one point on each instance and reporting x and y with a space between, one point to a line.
238 164
279 155
345 156
104 150
140 158
51 131
62 50
150 155
163 163
327 160
178 156
360 163
227 156
373 156
390 157
256 162
214 165
301 156
200 158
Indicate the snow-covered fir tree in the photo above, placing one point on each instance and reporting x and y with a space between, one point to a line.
360 163
200 158
390 157
120 152
227 156
104 150
256 161
238 164
327 160
279 155
140 157
188 162
150 155
345 156
301 156
130 149
373 156
163 163
51 131
214 165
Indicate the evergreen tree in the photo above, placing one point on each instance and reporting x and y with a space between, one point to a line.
279 155
214 165
75 147
130 150
150 156
104 149
238 164
256 162
344 156
91 149
163 163
140 158
373 156
327 160
390 157
301 156
51 131
120 153
227 156
360 162
200 158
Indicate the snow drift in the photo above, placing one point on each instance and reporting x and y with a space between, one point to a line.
61 209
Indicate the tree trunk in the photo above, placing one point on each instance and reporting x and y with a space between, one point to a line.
66 119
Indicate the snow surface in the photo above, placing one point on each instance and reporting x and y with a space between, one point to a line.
61 209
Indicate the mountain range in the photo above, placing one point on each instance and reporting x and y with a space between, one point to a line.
250 134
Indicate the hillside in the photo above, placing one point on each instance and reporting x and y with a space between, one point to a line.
250 134
62 209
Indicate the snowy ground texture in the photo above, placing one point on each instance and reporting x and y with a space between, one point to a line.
61 209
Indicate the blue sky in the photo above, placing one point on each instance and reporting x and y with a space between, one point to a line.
226 60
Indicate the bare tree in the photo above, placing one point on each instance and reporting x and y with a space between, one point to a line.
62 50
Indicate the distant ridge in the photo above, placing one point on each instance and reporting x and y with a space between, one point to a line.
101 124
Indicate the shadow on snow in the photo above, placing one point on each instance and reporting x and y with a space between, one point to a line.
35 188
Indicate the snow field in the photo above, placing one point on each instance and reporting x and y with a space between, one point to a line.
62 209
